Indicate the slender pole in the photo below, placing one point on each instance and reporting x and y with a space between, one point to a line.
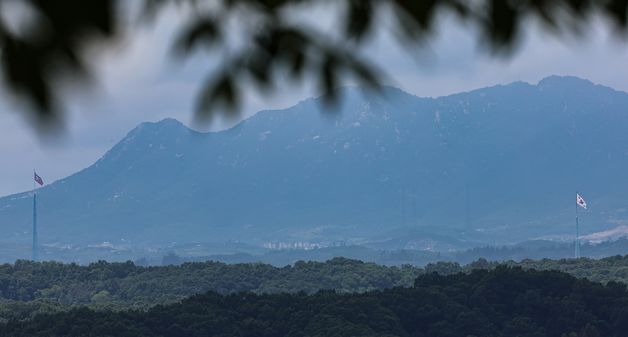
35 244
577 249
403 206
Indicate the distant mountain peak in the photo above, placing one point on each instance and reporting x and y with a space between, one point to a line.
149 136
557 80
164 127
169 121
164 124
369 93
383 162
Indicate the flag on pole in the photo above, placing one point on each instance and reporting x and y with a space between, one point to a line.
580 201
39 180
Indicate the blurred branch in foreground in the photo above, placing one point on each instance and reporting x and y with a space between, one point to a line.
50 44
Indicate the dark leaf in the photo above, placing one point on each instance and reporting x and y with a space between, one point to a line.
618 10
328 80
502 23
359 18
298 63
203 31
24 69
259 65
218 93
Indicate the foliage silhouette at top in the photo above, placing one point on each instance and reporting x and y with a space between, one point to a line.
52 44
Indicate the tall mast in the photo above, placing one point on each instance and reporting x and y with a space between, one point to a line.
577 241
35 243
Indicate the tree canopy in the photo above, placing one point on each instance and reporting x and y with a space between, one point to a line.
30 288
503 302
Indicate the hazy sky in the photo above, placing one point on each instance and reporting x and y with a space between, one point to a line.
138 82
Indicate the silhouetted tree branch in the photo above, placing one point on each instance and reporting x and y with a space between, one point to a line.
51 46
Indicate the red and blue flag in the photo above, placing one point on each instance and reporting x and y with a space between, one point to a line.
39 180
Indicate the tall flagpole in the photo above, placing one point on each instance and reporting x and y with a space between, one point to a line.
577 243
35 244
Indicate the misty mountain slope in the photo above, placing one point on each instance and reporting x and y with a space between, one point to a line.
494 164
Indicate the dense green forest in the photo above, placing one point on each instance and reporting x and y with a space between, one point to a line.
505 301
614 268
29 288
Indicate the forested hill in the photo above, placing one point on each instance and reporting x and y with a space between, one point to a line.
504 302
28 288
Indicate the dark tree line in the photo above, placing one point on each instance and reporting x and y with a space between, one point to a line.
28 288
503 302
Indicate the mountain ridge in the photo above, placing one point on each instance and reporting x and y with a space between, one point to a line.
376 165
